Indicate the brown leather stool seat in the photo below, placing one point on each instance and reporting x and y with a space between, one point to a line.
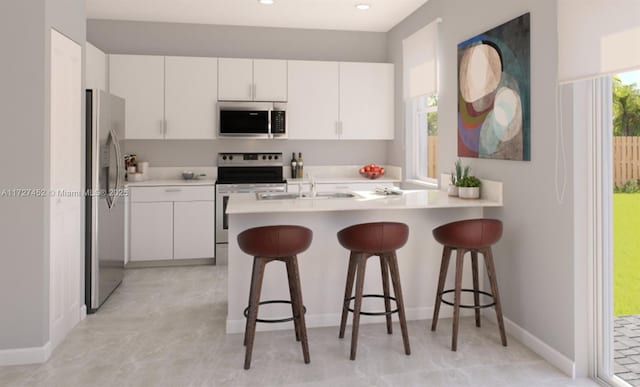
474 236
267 244
380 239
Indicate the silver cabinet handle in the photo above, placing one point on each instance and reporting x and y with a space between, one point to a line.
255 91
162 127
165 127
172 190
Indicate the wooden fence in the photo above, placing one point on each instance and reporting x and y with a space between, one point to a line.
432 155
626 159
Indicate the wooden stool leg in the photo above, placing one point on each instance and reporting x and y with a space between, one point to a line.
250 334
491 271
385 289
361 264
444 266
293 294
348 289
253 275
302 327
456 301
476 285
392 261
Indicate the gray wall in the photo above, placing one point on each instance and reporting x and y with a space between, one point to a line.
126 37
535 257
151 38
183 153
24 108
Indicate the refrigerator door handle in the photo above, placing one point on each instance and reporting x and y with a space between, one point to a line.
119 170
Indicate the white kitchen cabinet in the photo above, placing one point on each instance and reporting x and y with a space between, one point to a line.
139 79
193 230
235 79
191 95
252 80
172 222
331 100
151 231
313 107
366 101
270 80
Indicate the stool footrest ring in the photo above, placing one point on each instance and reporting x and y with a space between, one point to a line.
273 321
467 306
346 305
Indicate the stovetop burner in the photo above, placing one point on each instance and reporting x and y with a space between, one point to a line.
250 168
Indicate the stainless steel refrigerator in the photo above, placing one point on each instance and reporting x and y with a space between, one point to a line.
104 204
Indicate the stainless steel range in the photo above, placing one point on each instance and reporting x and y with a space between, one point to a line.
243 173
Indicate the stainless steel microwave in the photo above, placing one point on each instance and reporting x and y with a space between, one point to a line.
252 119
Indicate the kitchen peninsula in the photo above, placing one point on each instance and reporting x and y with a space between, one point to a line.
323 266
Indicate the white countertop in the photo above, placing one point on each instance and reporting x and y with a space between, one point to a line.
368 200
345 180
170 182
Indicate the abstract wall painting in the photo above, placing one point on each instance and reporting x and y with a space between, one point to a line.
494 93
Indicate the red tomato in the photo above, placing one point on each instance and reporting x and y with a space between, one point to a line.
362 170
367 168
382 171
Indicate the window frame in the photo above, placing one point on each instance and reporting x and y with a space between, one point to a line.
413 143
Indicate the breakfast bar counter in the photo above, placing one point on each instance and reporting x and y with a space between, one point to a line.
323 267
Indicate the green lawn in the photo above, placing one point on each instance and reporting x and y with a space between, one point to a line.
626 253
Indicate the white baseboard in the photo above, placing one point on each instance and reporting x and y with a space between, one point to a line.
333 320
83 312
555 358
20 356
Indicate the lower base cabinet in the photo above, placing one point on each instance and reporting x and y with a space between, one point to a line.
170 223
194 227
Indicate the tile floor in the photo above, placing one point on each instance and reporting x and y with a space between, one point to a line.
165 327
626 344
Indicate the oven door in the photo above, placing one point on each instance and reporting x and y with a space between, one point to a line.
224 191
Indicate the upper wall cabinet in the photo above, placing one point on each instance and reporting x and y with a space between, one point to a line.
313 108
331 100
139 79
252 80
366 101
191 86
95 68
166 97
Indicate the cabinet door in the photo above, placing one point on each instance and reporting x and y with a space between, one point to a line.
312 109
366 101
270 80
139 79
191 93
151 231
194 230
95 68
235 79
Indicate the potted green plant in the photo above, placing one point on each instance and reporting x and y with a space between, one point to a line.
458 175
469 187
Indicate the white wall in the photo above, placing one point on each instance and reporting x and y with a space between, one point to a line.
24 151
535 256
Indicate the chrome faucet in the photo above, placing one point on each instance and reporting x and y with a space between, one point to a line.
312 182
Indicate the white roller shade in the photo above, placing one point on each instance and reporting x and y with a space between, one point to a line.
420 62
597 37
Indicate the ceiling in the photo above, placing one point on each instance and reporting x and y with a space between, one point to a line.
313 14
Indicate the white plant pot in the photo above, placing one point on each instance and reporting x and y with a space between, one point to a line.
452 190
469 192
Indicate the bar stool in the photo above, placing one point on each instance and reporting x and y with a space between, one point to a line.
267 244
364 241
474 236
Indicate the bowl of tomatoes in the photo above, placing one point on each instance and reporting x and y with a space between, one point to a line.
372 171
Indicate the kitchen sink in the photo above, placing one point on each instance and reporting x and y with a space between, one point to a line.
304 195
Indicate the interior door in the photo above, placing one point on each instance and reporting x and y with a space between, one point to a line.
65 259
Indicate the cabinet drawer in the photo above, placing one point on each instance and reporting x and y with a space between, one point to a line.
172 194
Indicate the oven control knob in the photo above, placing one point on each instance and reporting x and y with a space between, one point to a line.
264 157
275 157
230 157
270 157
224 157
